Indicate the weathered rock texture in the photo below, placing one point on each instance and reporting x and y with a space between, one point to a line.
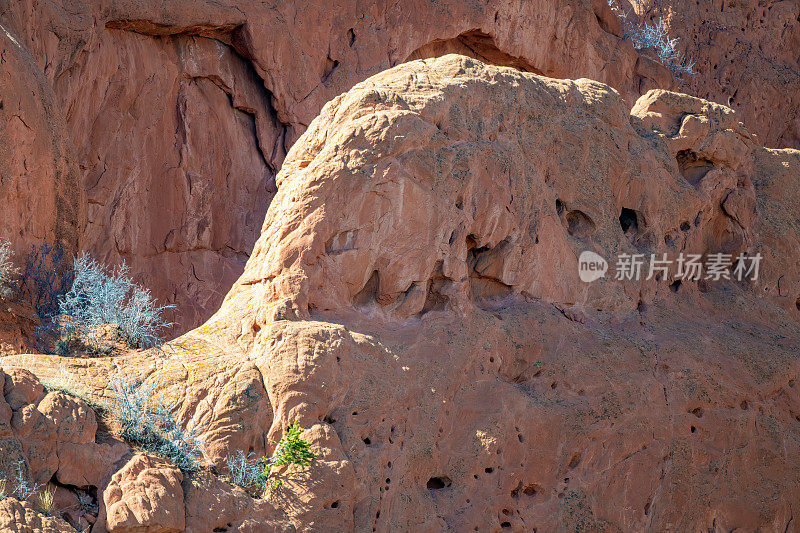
49 436
747 59
413 301
179 113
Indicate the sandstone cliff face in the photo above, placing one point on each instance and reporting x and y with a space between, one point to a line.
413 300
747 58
179 114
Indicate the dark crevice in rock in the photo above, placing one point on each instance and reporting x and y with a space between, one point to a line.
234 37
693 167
369 292
438 483
634 226
435 299
476 44
485 267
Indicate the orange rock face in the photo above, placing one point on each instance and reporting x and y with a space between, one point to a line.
414 298
179 114
414 302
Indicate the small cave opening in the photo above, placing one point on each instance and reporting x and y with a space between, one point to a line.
634 227
692 167
628 221
438 483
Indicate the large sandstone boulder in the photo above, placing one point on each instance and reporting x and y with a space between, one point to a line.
145 496
414 299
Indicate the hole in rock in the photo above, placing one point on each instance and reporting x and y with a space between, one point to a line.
580 225
367 441
692 167
351 37
575 460
634 227
505 525
693 429
530 490
628 221
488 470
675 285
330 68
438 483
369 292
435 297
685 226
744 405
335 505
697 411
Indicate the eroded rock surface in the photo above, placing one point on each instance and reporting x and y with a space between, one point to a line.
414 303
179 114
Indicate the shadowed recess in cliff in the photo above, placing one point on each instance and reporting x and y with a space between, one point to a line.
213 154
475 44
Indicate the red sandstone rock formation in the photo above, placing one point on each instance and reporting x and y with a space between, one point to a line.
178 114
413 301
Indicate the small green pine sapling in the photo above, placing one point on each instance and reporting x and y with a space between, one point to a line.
291 451
255 475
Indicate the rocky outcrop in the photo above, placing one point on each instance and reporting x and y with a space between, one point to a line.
179 114
49 436
414 302
746 55
145 495
22 517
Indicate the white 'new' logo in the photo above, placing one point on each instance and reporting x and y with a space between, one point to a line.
591 266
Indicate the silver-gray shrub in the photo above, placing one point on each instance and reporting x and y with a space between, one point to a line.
145 420
100 295
654 35
20 487
247 471
8 272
